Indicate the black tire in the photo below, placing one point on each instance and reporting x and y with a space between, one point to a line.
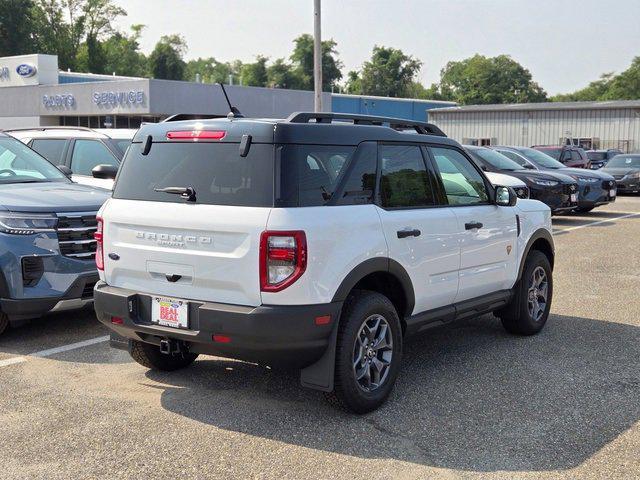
362 307
4 322
517 317
584 209
149 355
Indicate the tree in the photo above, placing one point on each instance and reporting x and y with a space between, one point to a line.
52 34
482 80
99 16
302 58
281 74
255 74
166 60
16 27
211 70
122 54
389 73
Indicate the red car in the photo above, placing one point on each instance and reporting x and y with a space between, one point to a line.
571 156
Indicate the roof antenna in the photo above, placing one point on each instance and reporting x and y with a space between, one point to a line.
233 111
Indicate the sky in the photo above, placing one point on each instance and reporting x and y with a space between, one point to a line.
564 43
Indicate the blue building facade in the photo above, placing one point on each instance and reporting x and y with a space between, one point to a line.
411 109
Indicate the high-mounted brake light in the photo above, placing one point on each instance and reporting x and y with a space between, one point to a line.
196 135
283 259
99 244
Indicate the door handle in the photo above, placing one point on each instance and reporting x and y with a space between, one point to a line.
472 225
408 232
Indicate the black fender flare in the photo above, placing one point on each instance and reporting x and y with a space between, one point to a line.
373 265
541 233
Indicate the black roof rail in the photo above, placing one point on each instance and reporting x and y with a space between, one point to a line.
423 128
191 116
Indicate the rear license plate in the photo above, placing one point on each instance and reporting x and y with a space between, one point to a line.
170 312
574 197
612 192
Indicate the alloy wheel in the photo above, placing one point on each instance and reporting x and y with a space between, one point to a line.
372 353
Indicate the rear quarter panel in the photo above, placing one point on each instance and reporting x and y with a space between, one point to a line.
338 239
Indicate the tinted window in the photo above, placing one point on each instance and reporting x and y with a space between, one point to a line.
87 154
309 174
216 171
597 155
540 158
360 179
631 161
404 181
50 149
463 184
552 152
513 156
20 164
495 159
575 156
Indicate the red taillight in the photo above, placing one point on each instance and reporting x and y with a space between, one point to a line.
283 259
117 320
196 135
221 338
99 245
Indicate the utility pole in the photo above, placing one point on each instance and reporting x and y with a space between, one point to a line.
317 57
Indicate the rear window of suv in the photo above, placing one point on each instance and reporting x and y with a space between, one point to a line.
216 171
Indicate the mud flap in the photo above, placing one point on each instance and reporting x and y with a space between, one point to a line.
319 375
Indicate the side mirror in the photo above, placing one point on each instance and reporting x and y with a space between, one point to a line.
64 169
506 197
104 171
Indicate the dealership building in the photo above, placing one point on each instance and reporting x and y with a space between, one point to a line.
597 125
33 92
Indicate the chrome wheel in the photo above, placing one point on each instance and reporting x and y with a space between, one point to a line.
372 353
537 294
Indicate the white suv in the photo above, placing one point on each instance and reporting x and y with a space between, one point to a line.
317 242
89 156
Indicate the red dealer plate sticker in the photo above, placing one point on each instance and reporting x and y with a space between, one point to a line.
170 312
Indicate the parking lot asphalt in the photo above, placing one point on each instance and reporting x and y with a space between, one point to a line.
471 400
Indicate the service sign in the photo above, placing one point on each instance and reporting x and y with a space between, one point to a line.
114 99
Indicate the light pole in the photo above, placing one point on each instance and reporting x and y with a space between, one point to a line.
317 57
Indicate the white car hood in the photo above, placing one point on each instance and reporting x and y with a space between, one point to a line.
504 180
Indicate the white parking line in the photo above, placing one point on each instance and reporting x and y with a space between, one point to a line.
595 223
54 351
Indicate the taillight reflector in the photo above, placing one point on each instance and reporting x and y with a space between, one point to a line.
283 259
221 338
117 320
99 236
196 135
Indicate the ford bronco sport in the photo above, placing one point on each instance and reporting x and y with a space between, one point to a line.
318 242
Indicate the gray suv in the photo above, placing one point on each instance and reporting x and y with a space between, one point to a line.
47 224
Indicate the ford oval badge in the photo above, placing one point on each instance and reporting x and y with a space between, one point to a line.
26 70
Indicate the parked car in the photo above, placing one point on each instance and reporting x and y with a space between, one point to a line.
47 224
599 158
312 243
569 155
92 156
626 171
596 188
559 192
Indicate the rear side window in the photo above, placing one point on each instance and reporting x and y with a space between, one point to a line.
216 171
88 154
404 181
308 175
51 149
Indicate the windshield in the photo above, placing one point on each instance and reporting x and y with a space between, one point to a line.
540 158
20 164
553 152
495 159
629 161
597 155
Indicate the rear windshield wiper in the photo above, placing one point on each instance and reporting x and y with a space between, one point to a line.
188 193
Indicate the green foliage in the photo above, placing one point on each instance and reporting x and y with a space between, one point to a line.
166 59
389 73
487 80
16 23
255 74
281 74
302 59
624 86
211 70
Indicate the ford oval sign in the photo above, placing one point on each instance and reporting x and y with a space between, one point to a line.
26 70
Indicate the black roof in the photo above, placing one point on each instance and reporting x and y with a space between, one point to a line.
306 127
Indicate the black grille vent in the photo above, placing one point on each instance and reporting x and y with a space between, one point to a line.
75 235
87 292
607 184
32 271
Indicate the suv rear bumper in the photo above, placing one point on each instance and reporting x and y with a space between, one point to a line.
277 335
